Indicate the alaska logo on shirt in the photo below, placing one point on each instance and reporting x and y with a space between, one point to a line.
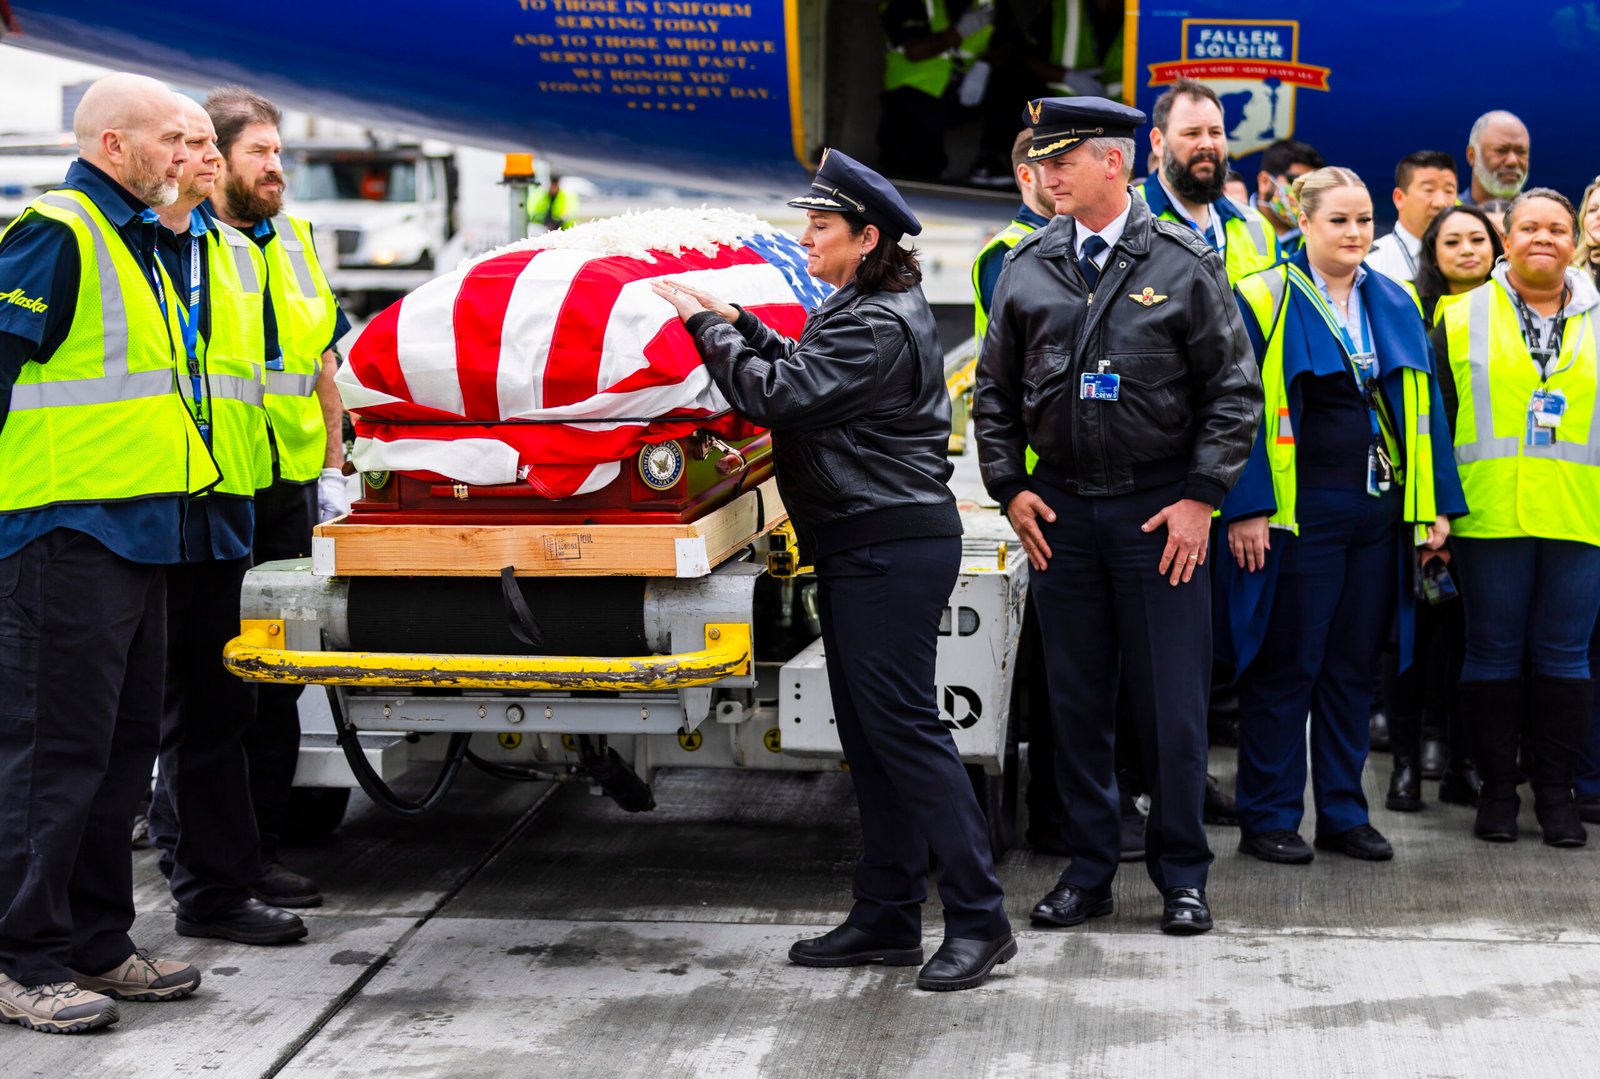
35 304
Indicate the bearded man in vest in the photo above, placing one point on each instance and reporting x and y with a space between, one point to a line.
99 457
306 421
200 813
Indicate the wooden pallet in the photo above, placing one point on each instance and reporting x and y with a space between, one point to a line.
411 550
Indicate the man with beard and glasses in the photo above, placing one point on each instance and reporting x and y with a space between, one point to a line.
99 458
201 816
1497 157
1187 132
306 418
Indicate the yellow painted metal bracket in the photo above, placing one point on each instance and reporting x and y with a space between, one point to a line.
258 655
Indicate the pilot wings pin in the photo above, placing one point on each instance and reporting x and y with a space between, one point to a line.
1149 297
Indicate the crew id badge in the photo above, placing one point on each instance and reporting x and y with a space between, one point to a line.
1544 416
1380 471
1099 387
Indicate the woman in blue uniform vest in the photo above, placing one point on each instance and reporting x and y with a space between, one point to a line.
860 422
1344 482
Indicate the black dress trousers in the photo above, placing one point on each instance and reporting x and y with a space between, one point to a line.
201 815
82 658
880 605
1101 601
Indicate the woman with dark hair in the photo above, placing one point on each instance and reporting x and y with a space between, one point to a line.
1459 248
1517 363
860 422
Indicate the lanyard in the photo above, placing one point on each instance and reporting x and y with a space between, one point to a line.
189 322
1217 241
1550 347
1366 382
1411 260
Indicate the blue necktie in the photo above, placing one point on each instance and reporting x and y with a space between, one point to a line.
1092 249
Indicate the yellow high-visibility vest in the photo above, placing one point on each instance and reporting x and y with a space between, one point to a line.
306 314
1267 295
1249 246
1516 489
104 420
231 358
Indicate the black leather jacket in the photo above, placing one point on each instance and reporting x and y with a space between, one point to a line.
859 413
1163 318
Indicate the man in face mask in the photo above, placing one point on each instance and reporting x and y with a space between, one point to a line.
1497 154
1188 134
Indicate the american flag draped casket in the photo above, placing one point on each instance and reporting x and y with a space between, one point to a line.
551 361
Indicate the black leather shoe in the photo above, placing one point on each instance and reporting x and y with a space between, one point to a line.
1588 808
962 963
1460 786
281 886
1280 845
1497 813
848 946
251 922
1558 817
1185 912
1433 761
1363 841
1219 806
1068 904
1405 786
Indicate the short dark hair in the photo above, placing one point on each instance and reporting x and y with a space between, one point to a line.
1422 159
234 108
1019 148
888 267
1276 159
1544 193
1182 88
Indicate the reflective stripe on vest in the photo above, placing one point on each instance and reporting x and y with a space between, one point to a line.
1266 293
1249 248
1008 238
232 357
103 420
305 313
1512 488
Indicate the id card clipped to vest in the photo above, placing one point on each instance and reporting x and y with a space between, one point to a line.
1544 416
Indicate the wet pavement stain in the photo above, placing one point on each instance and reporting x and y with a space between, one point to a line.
351 958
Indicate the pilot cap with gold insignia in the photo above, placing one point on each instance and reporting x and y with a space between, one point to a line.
844 185
1061 123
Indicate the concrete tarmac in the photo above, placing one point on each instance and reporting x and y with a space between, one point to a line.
528 930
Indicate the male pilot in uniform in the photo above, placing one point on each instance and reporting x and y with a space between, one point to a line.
1115 350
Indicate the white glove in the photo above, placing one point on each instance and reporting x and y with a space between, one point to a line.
973 84
974 20
333 494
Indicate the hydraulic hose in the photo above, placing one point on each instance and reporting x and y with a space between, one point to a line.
379 791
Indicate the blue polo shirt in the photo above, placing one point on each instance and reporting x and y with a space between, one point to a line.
262 234
1223 210
40 257
217 526
990 263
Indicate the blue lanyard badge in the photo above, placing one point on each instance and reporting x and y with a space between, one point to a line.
189 322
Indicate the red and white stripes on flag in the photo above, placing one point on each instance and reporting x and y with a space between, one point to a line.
565 332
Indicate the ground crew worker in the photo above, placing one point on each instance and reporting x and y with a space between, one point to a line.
1282 163
307 424
1186 130
98 455
201 806
1521 361
1113 351
859 395
1035 212
1424 185
926 39
553 208
1345 479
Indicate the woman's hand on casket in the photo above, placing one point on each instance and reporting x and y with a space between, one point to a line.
691 301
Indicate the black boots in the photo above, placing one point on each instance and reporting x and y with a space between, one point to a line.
1493 712
1405 786
1559 711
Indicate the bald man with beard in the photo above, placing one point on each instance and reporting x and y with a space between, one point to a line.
99 457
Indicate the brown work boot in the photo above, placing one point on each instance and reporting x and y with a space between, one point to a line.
54 1008
139 977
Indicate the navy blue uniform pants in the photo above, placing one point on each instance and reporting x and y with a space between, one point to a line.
880 605
1331 611
200 815
82 647
285 514
1102 598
